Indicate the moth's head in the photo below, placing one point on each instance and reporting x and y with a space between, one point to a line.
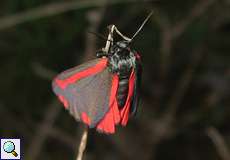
123 44
121 48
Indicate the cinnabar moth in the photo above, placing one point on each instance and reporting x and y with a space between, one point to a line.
103 92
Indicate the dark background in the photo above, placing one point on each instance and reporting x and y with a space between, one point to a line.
185 108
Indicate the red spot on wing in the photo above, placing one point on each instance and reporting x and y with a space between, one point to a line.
124 113
72 79
116 113
85 118
63 100
113 100
112 117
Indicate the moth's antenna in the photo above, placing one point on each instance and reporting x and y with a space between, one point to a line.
142 25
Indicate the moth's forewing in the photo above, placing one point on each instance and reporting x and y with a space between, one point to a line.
87 96
75 70
90 95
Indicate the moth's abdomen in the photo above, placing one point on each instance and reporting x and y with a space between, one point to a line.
121 61
122 91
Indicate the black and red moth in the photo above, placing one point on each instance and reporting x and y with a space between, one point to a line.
103 92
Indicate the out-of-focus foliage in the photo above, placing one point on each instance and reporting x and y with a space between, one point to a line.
185 49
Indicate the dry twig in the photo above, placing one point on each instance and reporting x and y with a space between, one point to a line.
53 9
183 84
219 143
199 9
83 144
42 72
170 33
42 131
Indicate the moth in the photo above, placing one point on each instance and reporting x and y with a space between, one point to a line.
103 92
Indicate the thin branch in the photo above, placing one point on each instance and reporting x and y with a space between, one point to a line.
54 9
199 9
42 72
42 131
163 126
219 143
83 144
183 85
170 33
62 136
13 123
166 43
94 18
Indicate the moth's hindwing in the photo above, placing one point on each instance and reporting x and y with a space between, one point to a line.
137 84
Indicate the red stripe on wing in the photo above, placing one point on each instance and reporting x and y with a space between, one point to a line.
112 117
124 113
63 83
85 118
63 100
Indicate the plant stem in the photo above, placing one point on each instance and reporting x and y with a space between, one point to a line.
83 144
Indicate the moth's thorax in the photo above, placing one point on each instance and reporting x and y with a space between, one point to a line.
121 60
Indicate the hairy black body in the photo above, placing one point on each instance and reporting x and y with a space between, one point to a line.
121 61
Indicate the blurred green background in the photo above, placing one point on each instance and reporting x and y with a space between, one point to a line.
185 48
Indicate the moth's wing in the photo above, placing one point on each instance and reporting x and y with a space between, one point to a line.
72 71
89 97
85 90
137 84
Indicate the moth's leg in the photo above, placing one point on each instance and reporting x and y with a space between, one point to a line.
109 39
